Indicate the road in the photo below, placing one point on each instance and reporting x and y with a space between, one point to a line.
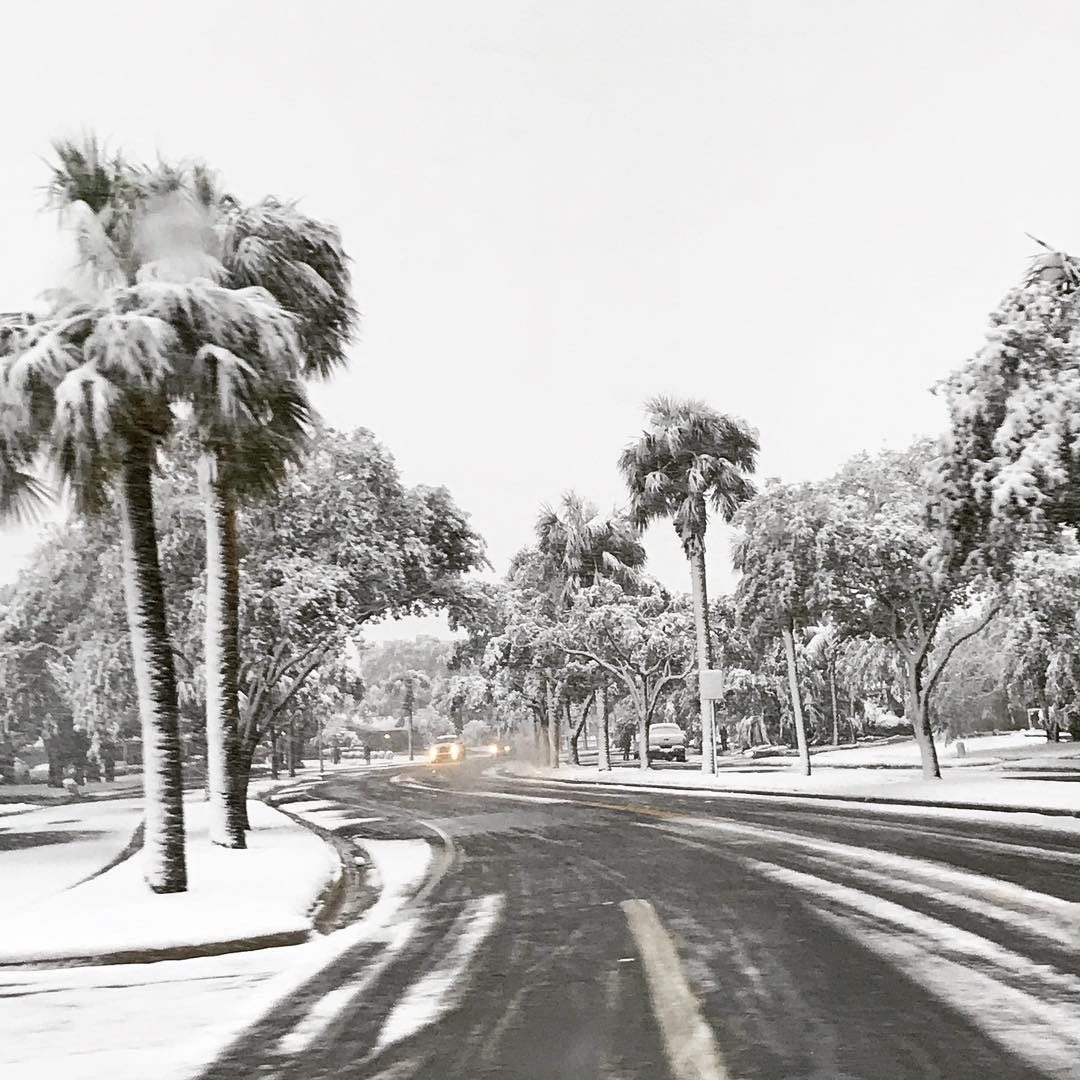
573 933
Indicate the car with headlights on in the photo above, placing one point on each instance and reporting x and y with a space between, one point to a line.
446 749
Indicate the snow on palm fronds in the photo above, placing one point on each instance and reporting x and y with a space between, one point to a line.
579 546
302 263
689 457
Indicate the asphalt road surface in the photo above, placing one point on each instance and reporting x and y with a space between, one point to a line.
570 934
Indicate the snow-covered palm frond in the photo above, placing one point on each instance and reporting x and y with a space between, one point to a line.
688 453
227 380
84 435
85 404
42 354
132 348
302 263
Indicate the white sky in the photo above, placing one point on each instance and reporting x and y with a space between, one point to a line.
801 213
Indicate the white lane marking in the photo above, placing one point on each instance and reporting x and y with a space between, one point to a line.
1031 1009
434 993
334 1004
691 1049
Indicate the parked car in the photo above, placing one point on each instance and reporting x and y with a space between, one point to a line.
667 742
446 748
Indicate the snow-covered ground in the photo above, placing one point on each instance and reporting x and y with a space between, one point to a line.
44 851
906 753
105 1022
231 895
989 787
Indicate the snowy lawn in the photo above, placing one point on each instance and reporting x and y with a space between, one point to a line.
44 851
268 889
978 787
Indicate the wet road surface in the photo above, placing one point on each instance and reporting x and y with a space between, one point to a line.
578 933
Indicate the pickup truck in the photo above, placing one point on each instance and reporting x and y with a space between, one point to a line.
667 742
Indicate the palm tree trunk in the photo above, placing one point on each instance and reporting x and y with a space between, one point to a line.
704 655
164 866
227 795
787 630
603 732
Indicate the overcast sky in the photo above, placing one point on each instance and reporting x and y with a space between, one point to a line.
799 212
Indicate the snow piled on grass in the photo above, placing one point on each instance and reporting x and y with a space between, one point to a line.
979 788
47 850
268 889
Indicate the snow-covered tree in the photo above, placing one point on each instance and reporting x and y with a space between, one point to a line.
688 459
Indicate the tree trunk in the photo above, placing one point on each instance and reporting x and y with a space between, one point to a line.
408 725
222 644
275 764
700 597
643 743
835 707
554 727
603 731
292 747
164 865
918 712
788 632
579 730
241 779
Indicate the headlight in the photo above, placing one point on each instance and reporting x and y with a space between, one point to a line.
493 749
455 751
506 749
433 753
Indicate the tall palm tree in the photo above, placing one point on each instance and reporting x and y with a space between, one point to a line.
300 262
230 355
84 385
579 546
690 457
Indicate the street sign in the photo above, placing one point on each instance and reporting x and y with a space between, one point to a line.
712 684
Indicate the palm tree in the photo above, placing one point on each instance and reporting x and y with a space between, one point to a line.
230 355
688 458
249 441
240 373
409 682
579 546
300 262
84 385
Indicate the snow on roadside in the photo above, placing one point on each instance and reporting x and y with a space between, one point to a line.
17 808
268 889
988 788
105 1023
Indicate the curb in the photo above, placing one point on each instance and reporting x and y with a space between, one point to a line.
818 796
331 900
